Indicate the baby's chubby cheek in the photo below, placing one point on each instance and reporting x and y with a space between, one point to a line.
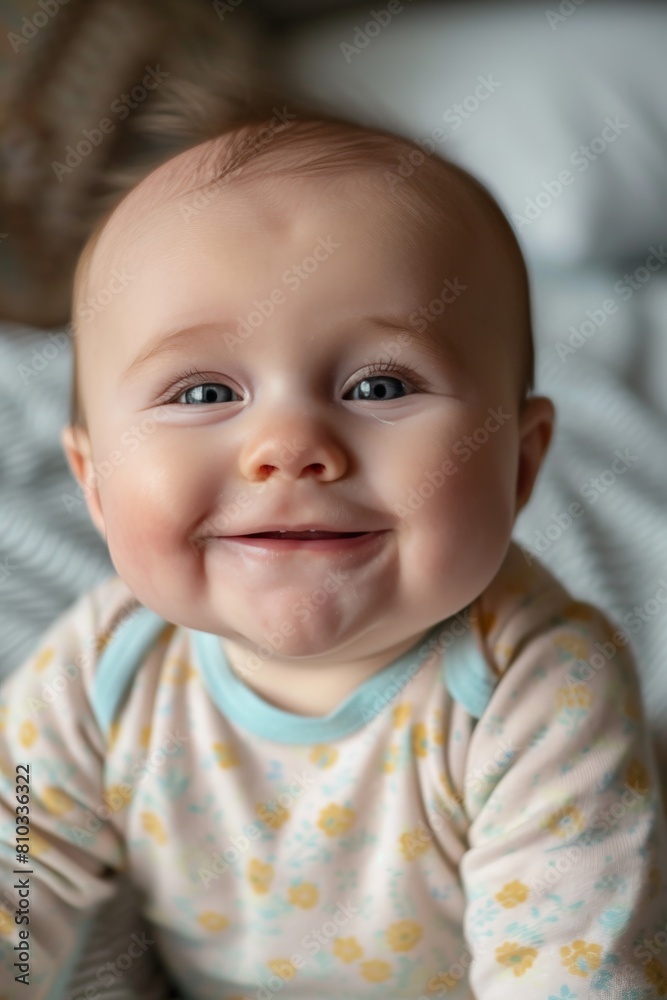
151 503
457 518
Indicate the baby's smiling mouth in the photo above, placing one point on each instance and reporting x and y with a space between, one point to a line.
309 535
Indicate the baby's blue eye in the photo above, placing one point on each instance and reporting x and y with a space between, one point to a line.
369 391
207 392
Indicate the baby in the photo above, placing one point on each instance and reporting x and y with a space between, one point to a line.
343 736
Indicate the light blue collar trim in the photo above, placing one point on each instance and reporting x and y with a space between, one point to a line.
242 705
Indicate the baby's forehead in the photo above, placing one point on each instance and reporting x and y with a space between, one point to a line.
199 179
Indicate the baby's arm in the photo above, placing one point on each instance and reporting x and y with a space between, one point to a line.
51 768
565 873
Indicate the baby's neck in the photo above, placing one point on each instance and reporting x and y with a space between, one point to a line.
307 688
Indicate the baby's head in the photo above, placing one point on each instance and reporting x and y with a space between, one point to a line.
293 326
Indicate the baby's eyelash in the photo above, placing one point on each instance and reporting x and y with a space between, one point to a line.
406 372
182 381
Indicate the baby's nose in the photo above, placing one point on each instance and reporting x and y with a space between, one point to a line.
310 450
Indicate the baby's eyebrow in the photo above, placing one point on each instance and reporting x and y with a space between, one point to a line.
436 343
172 343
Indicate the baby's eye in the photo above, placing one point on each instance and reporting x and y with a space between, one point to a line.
369 389
206 392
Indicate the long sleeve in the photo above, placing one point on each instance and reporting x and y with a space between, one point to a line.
564 874
51 764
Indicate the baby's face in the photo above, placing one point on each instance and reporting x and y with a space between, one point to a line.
283 306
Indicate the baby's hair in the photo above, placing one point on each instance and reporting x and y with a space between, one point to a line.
439 194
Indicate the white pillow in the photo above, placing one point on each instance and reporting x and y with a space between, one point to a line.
533 86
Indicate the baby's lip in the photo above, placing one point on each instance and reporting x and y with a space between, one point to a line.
310 533
328 529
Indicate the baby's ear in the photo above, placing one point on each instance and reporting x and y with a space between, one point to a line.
536 425
76 445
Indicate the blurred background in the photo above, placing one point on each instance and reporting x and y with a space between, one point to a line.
558 108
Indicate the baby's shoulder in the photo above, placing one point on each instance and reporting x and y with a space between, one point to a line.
526 606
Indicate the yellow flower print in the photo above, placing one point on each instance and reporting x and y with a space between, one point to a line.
347 949
450 794
56 801
419 740
655 973
305 895
390 759
145 736
225 754
271 813
283 968
401 714
573 644
28 733
6 921
503 653
213 921
516 957
153 826
375 971
565 821
580 958
102 641
413 843
114 732
117 797
442 979
438 736
43 659
335 819
404 935
38 845
512 893
260 876
573 696
323 755
179 670
636 776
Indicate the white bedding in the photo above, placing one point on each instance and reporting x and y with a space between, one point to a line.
609 392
